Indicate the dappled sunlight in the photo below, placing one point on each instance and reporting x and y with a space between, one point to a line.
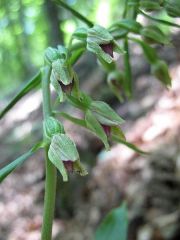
23 130
25 107
103 13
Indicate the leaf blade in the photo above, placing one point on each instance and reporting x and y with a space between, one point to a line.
114 226
5 171
27 87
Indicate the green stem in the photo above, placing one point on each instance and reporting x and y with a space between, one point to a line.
127 64
159 20
130 10
128 72
125 9
51 173
77 46
74 12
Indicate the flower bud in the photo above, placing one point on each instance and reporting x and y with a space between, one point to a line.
160 70
51 127
172 8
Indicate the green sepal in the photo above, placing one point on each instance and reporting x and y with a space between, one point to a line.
57 87
54 157
153 34
99 35
62 148
66 147
117 133
105 114
160 70
93 125
75 89
79 168
51 127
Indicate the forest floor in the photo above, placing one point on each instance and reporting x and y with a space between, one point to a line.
150 184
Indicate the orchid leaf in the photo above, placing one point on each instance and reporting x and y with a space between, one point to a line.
27 87
5 171
114 226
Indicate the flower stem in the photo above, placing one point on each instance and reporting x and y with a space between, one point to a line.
50 182
74 12
128 72
127 65
125 9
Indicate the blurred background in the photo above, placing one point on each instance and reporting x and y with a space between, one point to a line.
150 185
